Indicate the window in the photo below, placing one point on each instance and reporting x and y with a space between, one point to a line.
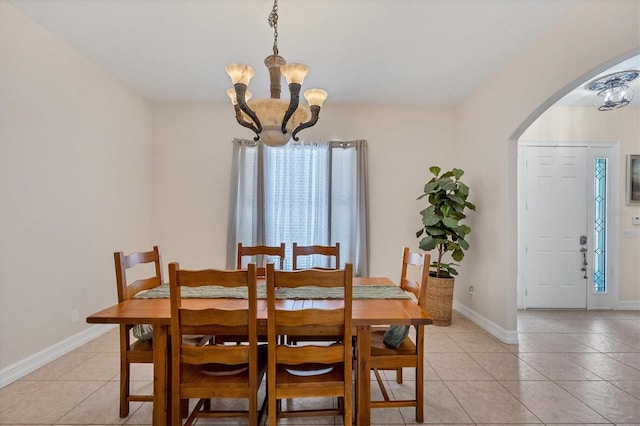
600 225
309 193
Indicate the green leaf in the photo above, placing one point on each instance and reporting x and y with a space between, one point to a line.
457 255
430 220
448 185
419 233
427 243
463 189
446 210
463 244
470 206
432 230
465 229
456 199
457 173
428 211
435 170
449 222
430 187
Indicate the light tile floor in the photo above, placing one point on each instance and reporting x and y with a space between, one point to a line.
571 367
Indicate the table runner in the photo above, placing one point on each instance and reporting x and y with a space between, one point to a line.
214 292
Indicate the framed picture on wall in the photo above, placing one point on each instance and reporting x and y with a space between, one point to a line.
633 179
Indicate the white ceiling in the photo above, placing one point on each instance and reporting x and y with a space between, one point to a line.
430 52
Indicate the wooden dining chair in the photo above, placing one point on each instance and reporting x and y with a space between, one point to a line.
259 254
410 353
326 251
309 371
215 370
134 351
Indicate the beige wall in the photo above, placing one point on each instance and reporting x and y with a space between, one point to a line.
489 123
192 166
586 124
75 185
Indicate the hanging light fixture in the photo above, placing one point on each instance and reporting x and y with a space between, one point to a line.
274 120
613 92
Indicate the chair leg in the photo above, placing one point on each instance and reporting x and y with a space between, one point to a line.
420 393
399 375
124 387
176 415
272 409
253 410
184 408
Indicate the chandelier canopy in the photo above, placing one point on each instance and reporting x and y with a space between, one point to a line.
274 120
613 92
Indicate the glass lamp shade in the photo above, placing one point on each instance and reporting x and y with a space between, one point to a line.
234 99
294 73
270 113
613 97
240 73
315 97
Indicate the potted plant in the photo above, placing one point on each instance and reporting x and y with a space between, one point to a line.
442 230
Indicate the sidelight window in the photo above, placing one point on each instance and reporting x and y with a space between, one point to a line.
600 226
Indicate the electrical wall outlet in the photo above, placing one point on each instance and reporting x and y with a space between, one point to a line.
635 220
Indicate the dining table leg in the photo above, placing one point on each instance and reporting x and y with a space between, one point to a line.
160 400
363 375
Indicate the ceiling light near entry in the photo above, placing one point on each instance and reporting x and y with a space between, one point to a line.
273 120
613 92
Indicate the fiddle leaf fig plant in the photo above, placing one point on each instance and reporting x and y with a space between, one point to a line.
441 220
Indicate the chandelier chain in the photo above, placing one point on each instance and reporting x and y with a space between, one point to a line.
273 23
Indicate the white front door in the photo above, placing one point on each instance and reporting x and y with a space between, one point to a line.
555 221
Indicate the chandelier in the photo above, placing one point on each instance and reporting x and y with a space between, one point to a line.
274 120
613 93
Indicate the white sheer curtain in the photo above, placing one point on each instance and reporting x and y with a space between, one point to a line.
308 193
296 202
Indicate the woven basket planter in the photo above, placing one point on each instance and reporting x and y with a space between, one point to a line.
439 301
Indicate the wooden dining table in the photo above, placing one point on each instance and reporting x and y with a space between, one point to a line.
365 314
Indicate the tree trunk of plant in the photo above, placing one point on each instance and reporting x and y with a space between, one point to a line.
440 255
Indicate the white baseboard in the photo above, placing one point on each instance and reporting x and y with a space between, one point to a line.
505 336
28 365
633 305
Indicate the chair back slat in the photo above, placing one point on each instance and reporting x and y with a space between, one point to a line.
293 355
219 354
260 252
307 277
306 317
214 317
329 251
140 285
